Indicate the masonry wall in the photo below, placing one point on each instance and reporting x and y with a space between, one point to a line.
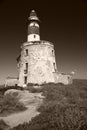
65 78
41 63
11 82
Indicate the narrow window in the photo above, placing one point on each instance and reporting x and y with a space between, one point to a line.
25 80
26 66
26 52
54 66
34 36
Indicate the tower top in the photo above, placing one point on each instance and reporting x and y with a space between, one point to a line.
33 27
33 16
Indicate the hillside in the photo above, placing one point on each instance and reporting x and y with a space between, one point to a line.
18 106
64 108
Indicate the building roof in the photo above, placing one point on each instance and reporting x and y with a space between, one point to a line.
33 16
11 77
33 13
69 74
42 42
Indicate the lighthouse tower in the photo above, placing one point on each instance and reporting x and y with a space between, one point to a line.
33 27
36 63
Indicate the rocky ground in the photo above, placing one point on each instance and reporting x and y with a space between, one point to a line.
31 100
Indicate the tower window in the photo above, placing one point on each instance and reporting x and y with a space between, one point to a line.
25 80
34 36
26 66
52 52
54 66
26 52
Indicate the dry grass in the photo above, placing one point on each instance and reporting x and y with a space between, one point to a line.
10 104
64 108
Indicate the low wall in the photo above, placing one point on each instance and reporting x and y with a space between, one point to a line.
11 81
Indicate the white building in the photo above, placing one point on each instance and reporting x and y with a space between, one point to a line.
11 81
37 63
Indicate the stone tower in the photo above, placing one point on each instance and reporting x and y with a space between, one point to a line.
36 63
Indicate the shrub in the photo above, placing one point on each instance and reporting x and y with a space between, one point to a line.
64 108
10 104
3 125
57 117
3 89
32 89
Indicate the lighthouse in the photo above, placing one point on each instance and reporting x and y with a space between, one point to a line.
36 63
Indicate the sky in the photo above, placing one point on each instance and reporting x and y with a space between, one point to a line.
64 23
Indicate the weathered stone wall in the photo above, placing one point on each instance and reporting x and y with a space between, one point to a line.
11 81
41 63
64 78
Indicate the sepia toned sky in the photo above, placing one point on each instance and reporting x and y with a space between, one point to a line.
63 22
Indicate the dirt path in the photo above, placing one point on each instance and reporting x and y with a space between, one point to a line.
25 116
19 118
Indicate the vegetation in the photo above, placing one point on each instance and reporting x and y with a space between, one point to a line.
31 88
9 103
3 125
64 108
3 88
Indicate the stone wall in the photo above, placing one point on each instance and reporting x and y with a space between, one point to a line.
41 63
11 81
65 78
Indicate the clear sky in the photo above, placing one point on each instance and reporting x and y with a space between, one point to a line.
63 22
